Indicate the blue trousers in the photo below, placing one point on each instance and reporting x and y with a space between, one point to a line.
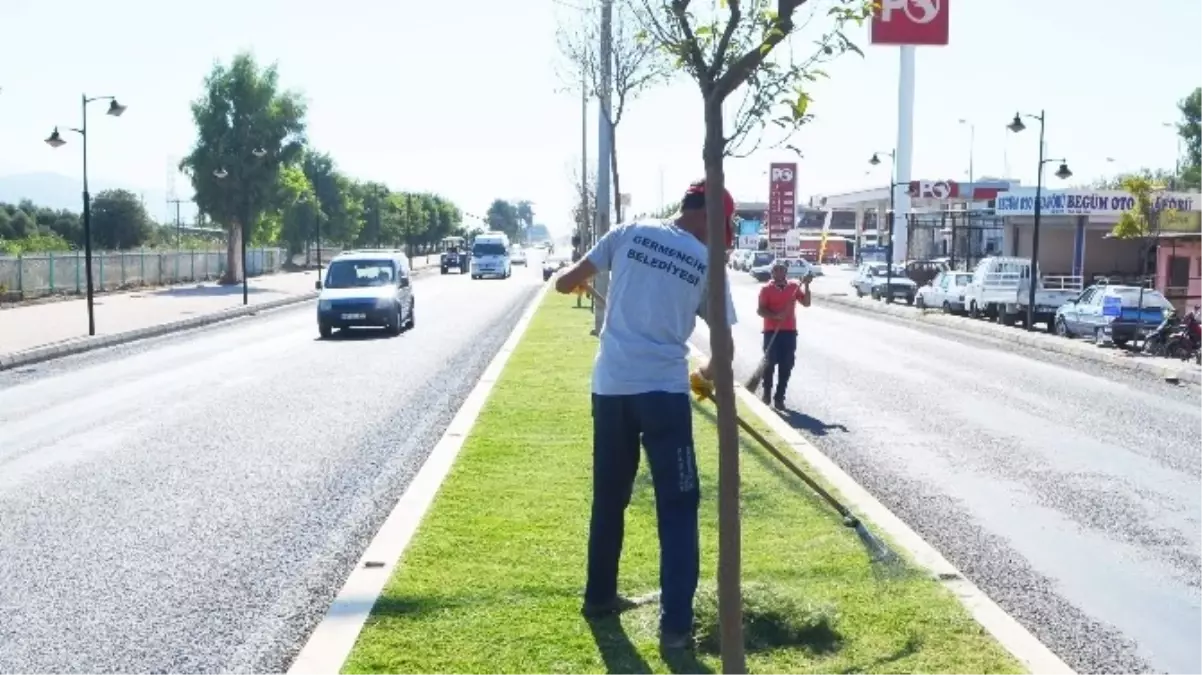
664 423
781 348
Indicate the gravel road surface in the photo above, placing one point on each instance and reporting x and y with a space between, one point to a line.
1067 491
192 504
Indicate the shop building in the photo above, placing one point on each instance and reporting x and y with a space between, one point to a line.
948 219
1075 227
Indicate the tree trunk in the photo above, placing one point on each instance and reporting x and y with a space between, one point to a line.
730 595
233 256
613 165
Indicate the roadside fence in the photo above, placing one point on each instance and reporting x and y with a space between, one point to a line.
34 275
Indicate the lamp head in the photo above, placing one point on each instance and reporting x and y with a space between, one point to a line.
55 140
259 152
220 173
115 109
875 160
1063 172
1016 125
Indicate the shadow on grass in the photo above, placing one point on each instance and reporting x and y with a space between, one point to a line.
912 646
771 620
617 651
422 606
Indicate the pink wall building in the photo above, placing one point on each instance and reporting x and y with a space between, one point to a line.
1179 268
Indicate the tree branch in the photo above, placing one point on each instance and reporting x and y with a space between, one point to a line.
742 68
736 15
691 52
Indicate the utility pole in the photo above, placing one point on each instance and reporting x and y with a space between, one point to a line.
604 150
178 222
586 238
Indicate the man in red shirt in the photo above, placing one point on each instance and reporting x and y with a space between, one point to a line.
778 301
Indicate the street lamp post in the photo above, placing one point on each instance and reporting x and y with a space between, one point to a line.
220 174
972 142
893 185
56 141
1062 173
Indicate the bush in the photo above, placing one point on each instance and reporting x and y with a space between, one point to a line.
38 243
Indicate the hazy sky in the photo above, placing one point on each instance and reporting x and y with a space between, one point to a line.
462 98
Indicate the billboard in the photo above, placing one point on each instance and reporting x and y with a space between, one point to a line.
911 22
782 207
934 189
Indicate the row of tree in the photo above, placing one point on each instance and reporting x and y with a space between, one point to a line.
253 174
119 221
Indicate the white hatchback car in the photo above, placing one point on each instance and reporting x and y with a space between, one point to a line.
945 291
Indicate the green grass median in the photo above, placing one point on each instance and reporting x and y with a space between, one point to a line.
492 581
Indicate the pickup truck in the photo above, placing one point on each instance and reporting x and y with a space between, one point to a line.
1000 289
1047 301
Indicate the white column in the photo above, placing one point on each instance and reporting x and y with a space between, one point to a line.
905 150
859 231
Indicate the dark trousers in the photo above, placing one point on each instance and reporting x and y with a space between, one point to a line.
664 422
780 351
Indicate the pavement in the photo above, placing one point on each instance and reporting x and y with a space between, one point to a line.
1065 489
192 503
26 327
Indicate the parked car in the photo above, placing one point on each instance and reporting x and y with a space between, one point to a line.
874 279
945 291
796 268
1088 315
757 259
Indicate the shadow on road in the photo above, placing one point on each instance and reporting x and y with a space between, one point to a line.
208 291
357 334
811 425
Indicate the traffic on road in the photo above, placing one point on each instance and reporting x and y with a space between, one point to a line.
192 503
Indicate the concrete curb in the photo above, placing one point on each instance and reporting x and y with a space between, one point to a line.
1009 633
55 351
81 345
1035 340
331 642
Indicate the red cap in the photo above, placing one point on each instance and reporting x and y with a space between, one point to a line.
694 198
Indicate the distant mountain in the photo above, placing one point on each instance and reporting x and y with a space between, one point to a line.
63 192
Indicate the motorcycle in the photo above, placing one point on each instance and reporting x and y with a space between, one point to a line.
1156 342
1184 344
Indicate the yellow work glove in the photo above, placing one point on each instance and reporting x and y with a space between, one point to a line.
702 388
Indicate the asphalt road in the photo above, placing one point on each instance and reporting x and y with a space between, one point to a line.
1067 491
192 504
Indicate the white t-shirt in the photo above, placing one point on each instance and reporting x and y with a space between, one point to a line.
656 292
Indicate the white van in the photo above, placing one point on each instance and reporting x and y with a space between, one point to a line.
490 256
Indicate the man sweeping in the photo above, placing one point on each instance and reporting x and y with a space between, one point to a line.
641 393
778 303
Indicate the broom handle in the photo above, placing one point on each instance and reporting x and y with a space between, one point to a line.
789 464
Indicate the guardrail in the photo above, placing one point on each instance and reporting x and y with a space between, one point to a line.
24 277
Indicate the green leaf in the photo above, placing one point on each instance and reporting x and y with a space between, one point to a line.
703 31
